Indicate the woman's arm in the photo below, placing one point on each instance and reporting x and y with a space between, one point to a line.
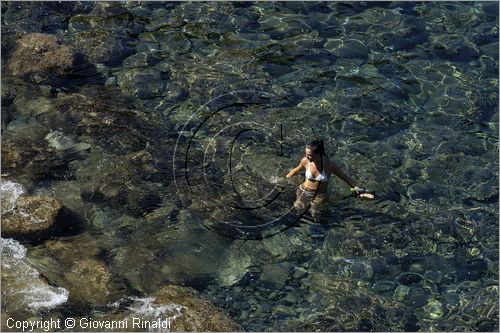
296 170
339 173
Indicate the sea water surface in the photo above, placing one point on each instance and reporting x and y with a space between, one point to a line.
169 136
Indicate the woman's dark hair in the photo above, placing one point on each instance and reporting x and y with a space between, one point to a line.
317 147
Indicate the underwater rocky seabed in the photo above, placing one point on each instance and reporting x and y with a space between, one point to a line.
106 107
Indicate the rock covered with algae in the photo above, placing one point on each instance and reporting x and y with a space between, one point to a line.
174 253
90 281
183 308
102 35
99 46
121 180
30 215
29 157
85 114
200 314
40 56
101 116
98 286
30 149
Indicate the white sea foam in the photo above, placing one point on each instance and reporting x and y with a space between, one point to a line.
12 248
145 307
9 192
44 296
34 292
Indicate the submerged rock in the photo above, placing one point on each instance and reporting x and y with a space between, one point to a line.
108 16
234 268
40 15
31 215
68 192
347 48
69 249
121 181
181 253
66 145
73 263
29 157
174 308
8 92
38 57
97 288
276 275
199 314
454 47
100 46
103 35
451 173
102 117
342 305
142 83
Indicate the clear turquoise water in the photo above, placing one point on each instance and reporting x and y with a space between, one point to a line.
199 101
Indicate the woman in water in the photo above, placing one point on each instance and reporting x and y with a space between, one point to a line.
318 170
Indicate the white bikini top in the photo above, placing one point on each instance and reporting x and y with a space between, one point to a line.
321 177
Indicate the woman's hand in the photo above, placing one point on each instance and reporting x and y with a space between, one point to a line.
367 195
362 193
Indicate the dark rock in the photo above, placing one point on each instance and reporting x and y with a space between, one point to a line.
30 157
276 275
142 83
100 46
490 50
8 93
106 123
41 16
141 59
454 47
120 180
347 48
